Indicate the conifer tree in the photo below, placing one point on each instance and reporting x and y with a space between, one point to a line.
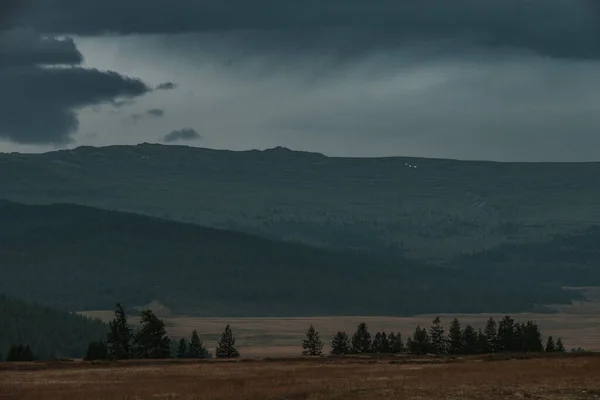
120 335
182 349
361 340
455 338
550 345
469 340
506 334
20 353
482 342
340 344
226 346
420 343
560 347
533 338
438 339
151 340
96 350
491 334
196 349
396 343
380 343
312 344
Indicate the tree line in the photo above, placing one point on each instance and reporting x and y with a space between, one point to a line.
506 335
150 341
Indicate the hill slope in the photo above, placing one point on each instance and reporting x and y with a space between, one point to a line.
50 333
435 211
83 258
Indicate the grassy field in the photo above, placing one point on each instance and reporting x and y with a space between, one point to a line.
578 325
564 378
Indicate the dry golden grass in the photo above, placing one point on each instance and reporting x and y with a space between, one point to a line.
564 378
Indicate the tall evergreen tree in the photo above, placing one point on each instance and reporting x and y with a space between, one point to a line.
550 345
182 349
455 337
96 350
151 340
519 337
506 334
312 344
120 335
533 338
381 343
196 349
438 338
361 340
482 343
396 343
491 334
340 344
469 340
420 342
226 346
560 347
20 353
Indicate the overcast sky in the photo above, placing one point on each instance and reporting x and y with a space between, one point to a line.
471 79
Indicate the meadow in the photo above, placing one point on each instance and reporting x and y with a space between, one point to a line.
564 377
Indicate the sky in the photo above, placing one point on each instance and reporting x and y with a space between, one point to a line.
505 80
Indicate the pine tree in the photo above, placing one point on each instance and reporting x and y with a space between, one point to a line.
151 340
381 343
506 334
533 338
20 353
482 342
361 340
312 344
226 346
469 340
420 342
491 334
455 338
119 336
196 349
340 344
550 346
438 339
96 350
396 343
182 349
560 347
411 348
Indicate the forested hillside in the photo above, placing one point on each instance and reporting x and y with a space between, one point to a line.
81 258
50 333
427 209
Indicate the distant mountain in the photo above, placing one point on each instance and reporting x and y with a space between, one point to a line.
50 333
427 209
80 258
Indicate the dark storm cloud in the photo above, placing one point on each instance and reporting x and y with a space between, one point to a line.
557 28
182 134
153 112
166 86
39 105
42 87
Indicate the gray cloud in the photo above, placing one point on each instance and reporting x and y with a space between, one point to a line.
166 86
153 112
182 135
43 87
557 28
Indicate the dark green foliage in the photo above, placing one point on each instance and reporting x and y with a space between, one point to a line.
381 343
491 334
482 343
361 340
226 346
312 344
420 343
469 340
19 353
196 349
396 343
438 338
340 344
532 338
506 335
85 258
550 345
120 336
560 347
455 338
50 333
97 350
182 349
151 340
